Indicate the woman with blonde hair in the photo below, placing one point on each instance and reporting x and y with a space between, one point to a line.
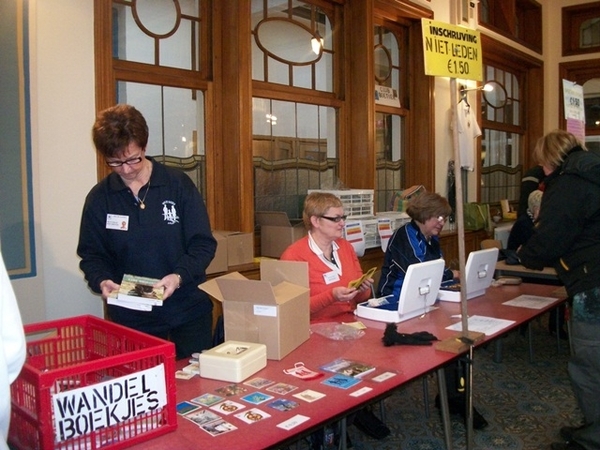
567 237
332 261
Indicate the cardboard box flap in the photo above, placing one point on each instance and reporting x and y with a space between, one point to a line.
276 218
211 287
275 271
247 291
285 291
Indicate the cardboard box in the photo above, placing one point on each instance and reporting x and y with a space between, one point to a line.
219 262
233 361
277 232
274 311
240 247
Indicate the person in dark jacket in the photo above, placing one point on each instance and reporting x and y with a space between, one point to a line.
567 237
522 229
149 220
415 242
532 180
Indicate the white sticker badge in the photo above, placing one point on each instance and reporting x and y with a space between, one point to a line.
117 222
331 277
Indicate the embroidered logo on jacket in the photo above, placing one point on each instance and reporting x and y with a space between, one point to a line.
170 212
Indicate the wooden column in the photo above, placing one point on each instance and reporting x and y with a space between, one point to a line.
230 183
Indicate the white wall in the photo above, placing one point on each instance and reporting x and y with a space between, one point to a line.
64 164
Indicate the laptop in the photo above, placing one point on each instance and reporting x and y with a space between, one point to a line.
419 293
479 273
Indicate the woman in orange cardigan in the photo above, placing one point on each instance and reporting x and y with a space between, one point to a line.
332 265
332 261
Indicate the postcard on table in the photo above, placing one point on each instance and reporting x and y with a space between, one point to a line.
252 415
309 395
341 381
218 427
227 407
257 398
348 367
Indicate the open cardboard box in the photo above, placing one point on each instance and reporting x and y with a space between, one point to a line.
274 310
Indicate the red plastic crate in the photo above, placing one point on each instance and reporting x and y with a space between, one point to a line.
112 364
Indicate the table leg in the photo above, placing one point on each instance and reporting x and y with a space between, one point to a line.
530 339
444 407
343 445
498 350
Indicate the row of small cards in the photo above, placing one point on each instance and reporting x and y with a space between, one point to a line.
203 409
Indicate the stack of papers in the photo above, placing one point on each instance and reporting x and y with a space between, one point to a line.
137 293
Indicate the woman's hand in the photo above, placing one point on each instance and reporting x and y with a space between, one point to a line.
366 285
108 286
170 283
344 294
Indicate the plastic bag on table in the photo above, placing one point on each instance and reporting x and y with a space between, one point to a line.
337 331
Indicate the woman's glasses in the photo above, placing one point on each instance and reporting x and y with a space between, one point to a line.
129 162
335 219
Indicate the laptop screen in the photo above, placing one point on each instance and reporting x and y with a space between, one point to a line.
479 269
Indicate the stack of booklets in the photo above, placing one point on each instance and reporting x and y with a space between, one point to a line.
348 367
137 293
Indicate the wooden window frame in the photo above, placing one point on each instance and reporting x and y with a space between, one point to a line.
572 18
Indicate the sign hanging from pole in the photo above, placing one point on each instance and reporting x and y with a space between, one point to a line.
574 108
452 51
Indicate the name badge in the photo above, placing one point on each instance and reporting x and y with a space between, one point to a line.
331 277
117 222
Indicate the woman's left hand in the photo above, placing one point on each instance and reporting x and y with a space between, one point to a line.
366 285
170 284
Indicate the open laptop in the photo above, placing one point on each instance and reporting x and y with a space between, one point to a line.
479 273
419 293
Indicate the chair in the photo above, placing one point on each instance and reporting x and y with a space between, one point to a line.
491 243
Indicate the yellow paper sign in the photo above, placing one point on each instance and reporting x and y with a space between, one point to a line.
356 283
452 51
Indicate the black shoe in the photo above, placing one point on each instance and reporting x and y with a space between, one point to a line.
458 407
479 422
567 432
369 424
571 445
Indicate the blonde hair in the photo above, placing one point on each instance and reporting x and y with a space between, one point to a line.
317 204
534 200
552 149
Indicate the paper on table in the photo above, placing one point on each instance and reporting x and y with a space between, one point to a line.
482 324
531 301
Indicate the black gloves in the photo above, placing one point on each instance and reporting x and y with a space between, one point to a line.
392 337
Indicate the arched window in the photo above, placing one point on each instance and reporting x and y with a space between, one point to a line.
294 107
159 65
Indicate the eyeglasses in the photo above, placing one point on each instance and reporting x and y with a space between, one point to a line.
129 162
441 219
335 219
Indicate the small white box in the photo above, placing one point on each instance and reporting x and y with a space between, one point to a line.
233 361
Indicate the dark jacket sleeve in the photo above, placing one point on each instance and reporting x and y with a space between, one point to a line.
561 219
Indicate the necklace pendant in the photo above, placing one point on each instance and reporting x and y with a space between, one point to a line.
142 206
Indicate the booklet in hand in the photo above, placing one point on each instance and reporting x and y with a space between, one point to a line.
356 283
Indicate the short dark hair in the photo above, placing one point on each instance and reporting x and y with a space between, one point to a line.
117 127
424 206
